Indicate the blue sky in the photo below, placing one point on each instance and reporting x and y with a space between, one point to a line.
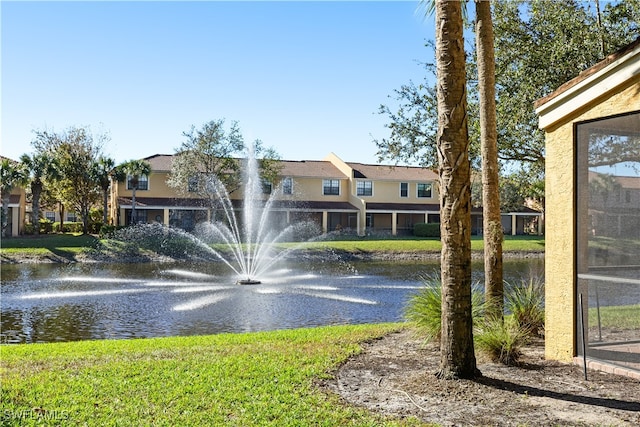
306 78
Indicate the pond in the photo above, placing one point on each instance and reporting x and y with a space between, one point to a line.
52 302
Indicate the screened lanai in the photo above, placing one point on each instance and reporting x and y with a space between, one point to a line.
592 191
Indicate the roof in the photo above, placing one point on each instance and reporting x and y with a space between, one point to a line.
617 70
324 169
625 182
311 169
160 162
161 202
388 172
418 207
588 72
7 158
158 202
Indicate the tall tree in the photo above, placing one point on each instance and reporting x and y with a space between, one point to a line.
457 357
103 170
41 168
133 171
12 175
539 44
75 150
491 220
212 152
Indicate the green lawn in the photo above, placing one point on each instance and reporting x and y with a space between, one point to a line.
252 379
70 245
619 317
414 244
50 241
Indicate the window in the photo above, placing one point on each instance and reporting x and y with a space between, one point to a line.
287 185
424 190
607 207
266 187
369 220
50 216
140 216
331 187
404 189
192 184
364 188
143 183
71 217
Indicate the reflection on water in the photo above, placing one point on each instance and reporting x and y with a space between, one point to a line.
48 302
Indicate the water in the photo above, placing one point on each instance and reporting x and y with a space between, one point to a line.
49 303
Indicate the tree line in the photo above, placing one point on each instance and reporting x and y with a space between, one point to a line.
69 171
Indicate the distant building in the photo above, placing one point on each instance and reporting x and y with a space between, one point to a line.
17 209
346 196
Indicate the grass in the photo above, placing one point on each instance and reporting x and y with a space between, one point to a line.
414 244
252 379
619 317
69 245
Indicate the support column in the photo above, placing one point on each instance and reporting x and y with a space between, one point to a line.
15 221
123 216
325 222
514 224
426 218
165 216
394 223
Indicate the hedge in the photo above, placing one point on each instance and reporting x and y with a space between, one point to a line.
422 229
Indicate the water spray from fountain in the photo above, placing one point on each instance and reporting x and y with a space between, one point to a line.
251 242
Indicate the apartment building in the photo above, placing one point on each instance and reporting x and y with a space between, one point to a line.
17 203
337 195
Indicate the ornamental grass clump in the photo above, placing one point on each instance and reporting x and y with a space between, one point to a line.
501 340
525 302
424 309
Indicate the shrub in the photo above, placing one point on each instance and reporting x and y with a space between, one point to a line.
94 227
501 340
68 227
46 226
106 230
29 229
525 302
424 309
423 229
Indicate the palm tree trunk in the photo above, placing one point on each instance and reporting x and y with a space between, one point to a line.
105 205
61 212
457 358
492 224
5 212
133 206
36 190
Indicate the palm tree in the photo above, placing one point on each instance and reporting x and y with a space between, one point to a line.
457 358
103 170
492 224
12 175
38 168
133 170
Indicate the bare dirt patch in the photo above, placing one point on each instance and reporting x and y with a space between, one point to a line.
395 376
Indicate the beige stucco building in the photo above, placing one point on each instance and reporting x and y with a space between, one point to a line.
338 195
592 126
16 211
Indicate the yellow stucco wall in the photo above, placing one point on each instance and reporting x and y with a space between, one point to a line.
560 298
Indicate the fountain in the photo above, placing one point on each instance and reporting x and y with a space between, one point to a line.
251 243
248 246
